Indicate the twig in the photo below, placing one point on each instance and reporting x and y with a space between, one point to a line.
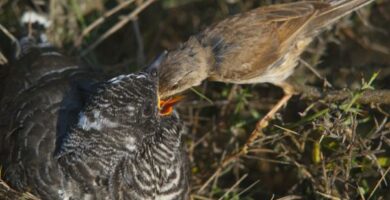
290 197
215 174
232 94
315 72
328 196
367 97
13 39
118 26
223 164
267 160
194 196
257 132
201 95
101 19
7 193
3 59
379 182
366 43
234 186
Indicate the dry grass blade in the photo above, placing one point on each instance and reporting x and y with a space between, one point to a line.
368 96
12 38
328 143
101 19
364 42
328 196
379 182
194 196
256 133
248 188
7 193
234 186
118 26
212 177
290 197
3 59
267 160
315 72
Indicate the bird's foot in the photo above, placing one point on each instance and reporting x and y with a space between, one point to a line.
289 91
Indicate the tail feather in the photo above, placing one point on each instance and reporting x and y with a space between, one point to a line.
337 10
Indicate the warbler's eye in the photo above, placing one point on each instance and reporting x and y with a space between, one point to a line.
174 87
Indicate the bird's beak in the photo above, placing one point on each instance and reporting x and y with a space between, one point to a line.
157 62
165 107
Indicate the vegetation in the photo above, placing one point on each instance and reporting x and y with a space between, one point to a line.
332 141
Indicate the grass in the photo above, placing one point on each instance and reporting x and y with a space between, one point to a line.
314 149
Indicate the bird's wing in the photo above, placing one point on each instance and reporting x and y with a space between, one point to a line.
33 92
74 100
252 41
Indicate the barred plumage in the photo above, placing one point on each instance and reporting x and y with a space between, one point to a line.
98 140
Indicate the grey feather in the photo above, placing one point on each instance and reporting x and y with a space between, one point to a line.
65 134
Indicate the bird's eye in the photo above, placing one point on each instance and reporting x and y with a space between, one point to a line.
148 109
174 87
153 72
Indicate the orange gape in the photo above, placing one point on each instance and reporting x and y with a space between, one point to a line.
166 106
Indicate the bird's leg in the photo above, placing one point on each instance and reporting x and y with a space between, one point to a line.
288 90
257 132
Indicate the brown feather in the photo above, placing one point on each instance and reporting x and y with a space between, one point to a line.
262 45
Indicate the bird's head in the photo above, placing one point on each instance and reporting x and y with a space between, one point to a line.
181 68
117 119
129 100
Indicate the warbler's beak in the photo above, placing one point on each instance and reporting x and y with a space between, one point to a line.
165 107
156 64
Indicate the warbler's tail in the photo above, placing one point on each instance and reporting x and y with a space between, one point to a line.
336 10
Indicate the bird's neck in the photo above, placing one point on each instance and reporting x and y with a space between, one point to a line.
202 54
167 142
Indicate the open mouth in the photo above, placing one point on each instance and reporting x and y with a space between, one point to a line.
165 107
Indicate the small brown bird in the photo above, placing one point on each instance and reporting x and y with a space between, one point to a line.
262 45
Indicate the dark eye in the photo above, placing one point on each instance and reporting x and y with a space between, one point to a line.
153 72
148 109
174 87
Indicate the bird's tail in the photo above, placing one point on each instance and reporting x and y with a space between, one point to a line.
337 10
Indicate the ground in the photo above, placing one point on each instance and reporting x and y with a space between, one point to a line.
332 140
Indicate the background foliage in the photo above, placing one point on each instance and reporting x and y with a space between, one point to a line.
319 147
